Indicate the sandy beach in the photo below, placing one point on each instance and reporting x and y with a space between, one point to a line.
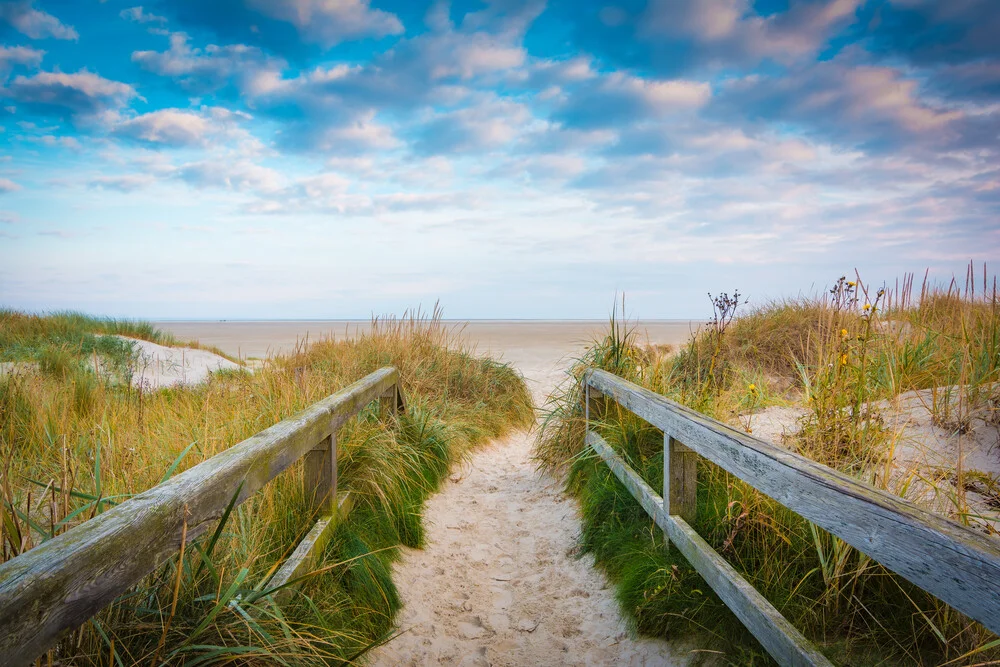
515 340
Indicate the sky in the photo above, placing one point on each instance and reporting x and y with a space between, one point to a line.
510 158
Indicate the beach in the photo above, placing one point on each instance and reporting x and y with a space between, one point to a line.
500 581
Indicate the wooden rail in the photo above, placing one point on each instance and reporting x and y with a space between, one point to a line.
61 583
956 564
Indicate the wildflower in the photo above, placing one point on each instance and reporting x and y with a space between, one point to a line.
843 360
868 306
851 283
843 333
752 387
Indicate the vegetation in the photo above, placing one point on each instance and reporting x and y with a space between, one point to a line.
838 356
74 442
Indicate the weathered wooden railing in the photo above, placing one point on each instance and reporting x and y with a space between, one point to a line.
952 562
61 583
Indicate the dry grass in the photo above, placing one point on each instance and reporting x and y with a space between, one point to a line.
837 355
74 443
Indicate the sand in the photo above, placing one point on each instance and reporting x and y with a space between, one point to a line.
925 454
526 340
158 366
499 581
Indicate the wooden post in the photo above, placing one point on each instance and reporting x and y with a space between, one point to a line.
593 404
320 474
388 403
680 479
666 483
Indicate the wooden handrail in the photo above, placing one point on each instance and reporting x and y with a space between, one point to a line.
952 562
61 583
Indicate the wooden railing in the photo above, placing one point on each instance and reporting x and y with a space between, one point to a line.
61 583
954 563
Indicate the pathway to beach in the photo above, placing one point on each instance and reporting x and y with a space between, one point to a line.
500 582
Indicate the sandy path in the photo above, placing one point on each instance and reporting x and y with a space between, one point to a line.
499 582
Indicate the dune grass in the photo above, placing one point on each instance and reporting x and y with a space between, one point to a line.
837 356
74 443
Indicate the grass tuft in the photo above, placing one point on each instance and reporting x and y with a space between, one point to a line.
838 357
74 442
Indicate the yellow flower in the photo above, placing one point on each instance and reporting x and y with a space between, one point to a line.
868 306
843 333
851 283
843 360
752 387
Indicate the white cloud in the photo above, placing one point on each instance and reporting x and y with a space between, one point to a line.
731 31
486 124
128 183
239 175
181 128
53 141
139 15
329 22
618 98
34 23
211 67
18 55
7 185
82 93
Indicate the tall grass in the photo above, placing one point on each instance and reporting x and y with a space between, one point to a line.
74 444
838 356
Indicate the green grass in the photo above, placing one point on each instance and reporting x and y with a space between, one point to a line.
836 358
73 443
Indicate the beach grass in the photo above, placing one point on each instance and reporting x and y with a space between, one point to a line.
75 442
840 358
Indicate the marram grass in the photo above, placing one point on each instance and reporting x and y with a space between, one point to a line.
837 354
73 443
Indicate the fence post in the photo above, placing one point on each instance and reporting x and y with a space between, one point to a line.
388 403
666 481
680 479
320 474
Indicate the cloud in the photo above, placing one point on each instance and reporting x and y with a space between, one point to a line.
34 23
619 98
295 29
487 124
139 15
180 128
674 38
18 55
126 184
361 135
208 69
54 141
727 31
928 32
7 185
872 106
80 94
239 175
330 22
332 193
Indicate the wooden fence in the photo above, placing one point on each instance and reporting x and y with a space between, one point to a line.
61 583
958 565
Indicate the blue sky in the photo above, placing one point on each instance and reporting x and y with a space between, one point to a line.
513 158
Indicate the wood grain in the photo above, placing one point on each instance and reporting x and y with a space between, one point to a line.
307 554
63 582
781 639
950 561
